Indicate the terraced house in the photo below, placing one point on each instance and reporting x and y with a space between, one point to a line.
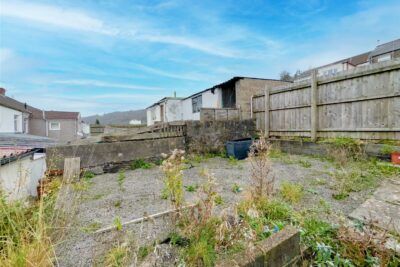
20 118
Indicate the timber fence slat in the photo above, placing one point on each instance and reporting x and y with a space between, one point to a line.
361 103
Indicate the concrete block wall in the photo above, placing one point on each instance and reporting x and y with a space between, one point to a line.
104 153
210 136
245 88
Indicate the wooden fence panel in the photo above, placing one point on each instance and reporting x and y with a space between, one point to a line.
360 103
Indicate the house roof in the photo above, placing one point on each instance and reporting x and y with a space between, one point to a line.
356 60
163 100
36 113
25 140
61 115
13 104
228 84
386 48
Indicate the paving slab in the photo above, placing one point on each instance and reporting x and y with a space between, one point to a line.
383 208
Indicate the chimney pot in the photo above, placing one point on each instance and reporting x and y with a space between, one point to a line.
2 91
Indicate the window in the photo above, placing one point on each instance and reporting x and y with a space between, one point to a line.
196 103
55 126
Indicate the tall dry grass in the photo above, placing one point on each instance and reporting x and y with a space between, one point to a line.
28 230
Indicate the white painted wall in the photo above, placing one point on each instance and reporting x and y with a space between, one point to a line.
209 100
173 110
153 115
18 179
177 110
7 120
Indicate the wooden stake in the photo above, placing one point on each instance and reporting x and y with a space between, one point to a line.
145 218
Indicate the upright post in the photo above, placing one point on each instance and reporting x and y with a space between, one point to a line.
314 111
251 107
266 110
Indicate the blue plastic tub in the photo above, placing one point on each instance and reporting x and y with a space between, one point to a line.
239 149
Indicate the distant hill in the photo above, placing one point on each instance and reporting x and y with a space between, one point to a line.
119 117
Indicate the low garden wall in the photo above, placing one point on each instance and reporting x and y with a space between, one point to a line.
210 136
103 153
321 149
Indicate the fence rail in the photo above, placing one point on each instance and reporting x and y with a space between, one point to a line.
219 114
164 130
361 103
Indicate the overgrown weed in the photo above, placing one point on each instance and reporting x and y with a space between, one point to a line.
140 164
120 179
261 178
173 178
28 231
291 192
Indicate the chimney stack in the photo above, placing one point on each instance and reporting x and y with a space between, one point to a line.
2 91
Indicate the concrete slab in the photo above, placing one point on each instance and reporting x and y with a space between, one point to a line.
383 208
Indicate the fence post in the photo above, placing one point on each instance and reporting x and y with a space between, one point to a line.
314 111
266 111
251 106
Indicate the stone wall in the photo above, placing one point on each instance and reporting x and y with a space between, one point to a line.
105 153
210 136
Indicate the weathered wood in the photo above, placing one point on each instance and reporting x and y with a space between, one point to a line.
314 111
266 111
360 103
72 169
145 218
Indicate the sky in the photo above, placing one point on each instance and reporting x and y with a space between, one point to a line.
101 56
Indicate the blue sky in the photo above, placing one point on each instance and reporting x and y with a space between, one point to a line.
114 55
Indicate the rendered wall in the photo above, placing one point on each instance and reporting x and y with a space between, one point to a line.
18 179
68 130
7 120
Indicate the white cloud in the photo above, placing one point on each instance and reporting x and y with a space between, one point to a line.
55 16
180 76
80 20
202 45
96 83
5 55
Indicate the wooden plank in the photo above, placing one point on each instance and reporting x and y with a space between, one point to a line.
266 110
72 169
314 111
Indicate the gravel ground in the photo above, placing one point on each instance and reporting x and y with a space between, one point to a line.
140 195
